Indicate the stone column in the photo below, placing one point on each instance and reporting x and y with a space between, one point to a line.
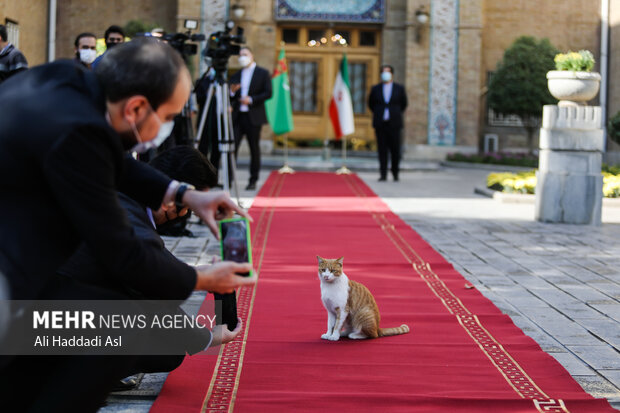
569 185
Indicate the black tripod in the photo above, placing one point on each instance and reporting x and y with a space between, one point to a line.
226 142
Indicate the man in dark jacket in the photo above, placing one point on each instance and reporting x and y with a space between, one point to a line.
12 61
64 133
113 36
387 101
251 87
186 164
85 49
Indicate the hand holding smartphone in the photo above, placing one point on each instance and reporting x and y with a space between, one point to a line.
234 246
235 241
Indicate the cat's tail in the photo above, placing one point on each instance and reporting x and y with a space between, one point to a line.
394 331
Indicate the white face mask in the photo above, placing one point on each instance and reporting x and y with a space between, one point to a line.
386 76
164 132
88 55
245 61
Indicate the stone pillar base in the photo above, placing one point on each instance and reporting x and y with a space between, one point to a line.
569 185
571 199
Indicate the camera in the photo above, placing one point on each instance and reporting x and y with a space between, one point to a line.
221 45
178 40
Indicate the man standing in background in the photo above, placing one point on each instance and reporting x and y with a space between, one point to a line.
113 35
387 101
251 87
11 59
85 49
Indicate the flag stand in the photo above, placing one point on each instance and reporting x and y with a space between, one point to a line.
343 170
286 169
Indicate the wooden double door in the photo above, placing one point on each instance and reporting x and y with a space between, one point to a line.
314 55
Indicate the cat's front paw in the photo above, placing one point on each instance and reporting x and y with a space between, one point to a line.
326 336
333 337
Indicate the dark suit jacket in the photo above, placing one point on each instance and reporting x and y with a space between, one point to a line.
260 91
396 105
62 165
83 265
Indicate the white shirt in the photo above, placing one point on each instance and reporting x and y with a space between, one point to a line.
246 79
387 95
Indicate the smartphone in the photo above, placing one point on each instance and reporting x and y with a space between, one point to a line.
235 241
234 246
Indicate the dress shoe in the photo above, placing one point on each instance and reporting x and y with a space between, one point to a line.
395 179
382 179
128 383
251 186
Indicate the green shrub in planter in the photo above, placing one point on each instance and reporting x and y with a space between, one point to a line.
520 183
525 182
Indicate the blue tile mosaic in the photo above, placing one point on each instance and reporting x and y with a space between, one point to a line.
357 11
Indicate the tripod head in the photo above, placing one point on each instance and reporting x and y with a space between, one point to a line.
220 46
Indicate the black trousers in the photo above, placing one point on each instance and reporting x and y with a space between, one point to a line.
388 141
75 383
244 127
81 383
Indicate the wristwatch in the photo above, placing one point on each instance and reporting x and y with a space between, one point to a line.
178 197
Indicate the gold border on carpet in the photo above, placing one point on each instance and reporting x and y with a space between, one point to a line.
227 372
514 374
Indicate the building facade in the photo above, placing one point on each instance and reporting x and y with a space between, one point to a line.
443 51
27 24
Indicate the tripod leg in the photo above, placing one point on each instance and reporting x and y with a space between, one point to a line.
222 136
228 130
203 118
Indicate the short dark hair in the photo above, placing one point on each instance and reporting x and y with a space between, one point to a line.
113 29
389 67
143 66
3 33
85 34
186 164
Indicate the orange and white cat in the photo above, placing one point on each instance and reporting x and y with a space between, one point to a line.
351 309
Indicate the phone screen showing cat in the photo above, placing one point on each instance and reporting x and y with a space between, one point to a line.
235 241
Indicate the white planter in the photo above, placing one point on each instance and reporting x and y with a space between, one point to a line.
573 88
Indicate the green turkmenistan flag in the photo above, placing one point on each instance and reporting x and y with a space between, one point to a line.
279 110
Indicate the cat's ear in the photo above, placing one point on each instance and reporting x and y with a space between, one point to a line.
319 258
339 260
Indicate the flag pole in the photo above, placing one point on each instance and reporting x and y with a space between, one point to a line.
343 170
286 169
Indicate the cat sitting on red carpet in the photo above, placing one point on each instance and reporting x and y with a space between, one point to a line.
351 309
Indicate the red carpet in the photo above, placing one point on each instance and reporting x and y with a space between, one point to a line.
462 354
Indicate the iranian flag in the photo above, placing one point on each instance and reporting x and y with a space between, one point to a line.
278 107
340 106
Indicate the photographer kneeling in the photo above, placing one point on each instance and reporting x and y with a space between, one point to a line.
64 134
185 164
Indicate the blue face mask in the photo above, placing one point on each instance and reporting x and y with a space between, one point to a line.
165 130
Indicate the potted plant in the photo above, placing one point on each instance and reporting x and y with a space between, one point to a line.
573 83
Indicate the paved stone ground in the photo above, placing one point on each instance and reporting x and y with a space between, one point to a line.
559 283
